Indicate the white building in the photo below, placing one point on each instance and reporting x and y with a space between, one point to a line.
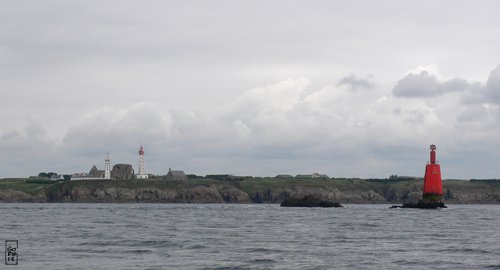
107 167
94 173
142 173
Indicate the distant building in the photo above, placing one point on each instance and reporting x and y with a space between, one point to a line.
94 172
56 177
219 176
107 167
142 172
176 175
322 176
314 175
84 176
122 172
283 176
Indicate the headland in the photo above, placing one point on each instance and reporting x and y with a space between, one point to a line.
198 189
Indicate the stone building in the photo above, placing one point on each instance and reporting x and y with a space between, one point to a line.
94 172
122 172
176 175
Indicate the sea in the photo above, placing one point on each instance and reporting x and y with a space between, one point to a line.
249 236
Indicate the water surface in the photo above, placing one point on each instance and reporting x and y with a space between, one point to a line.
251 236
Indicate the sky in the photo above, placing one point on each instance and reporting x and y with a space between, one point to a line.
344 88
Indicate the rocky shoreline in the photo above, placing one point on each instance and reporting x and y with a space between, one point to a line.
246 191
309 201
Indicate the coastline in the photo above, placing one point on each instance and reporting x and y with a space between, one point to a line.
250 190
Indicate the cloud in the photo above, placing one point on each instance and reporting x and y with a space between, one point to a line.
279 97
111 129
28 151
492 87
425 84
354 83
270 122
486 95
284 127
88 69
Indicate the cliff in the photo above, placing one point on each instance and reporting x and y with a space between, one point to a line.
252 190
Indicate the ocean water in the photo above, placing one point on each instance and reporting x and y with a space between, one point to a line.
250 236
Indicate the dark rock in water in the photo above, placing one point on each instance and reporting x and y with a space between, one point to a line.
309 201
422 205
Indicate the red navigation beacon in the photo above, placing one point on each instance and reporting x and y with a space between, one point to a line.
433 186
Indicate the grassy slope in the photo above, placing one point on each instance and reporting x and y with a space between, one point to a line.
340 184
30 187
253 184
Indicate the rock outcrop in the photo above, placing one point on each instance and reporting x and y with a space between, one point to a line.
345 195
147 191
421 205
309 201
14 196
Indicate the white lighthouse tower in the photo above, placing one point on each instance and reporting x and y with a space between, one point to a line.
142 174
107 167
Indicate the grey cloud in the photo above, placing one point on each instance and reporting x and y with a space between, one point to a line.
29 151
34 129
262 123
480 107
355 83
9 135
427 85
473 113
274 125
492 91
60 60
109 129
489 93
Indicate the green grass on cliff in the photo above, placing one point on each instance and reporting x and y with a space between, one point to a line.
340 184
31 187
471 185
131 184
249 185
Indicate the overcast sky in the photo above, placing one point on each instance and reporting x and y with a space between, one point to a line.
345 88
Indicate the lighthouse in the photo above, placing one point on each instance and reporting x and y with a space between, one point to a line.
433 187
142 174
107 167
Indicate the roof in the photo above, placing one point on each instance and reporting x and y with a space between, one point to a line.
177 173
284 176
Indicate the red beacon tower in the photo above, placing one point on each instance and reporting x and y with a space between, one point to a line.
433 186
